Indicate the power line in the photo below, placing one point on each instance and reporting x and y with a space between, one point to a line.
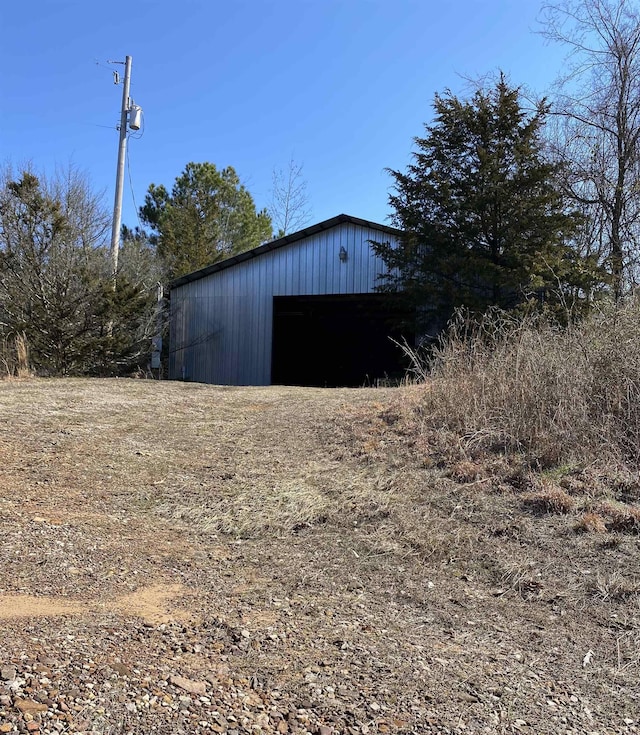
95 125
102 66
133 196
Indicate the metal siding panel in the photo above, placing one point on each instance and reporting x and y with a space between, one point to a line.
267 306
333 270
206 329
342 269
353 246
365 273
249 346
347 268
317 260
333 262
293 260
201 303
233 319
287 275
227 347
282 265
305 270
262 288
368 265
322 278
176 329
300 269
250 349
226 295
356 262
278 264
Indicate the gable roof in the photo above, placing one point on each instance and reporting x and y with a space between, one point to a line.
280 242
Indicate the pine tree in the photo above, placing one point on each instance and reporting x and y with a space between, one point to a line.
208 216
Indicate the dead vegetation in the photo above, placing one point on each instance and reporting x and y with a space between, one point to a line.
14 356
555 395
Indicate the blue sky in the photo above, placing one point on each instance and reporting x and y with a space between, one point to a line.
343 86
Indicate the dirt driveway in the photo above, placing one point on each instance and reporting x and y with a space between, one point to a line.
181 558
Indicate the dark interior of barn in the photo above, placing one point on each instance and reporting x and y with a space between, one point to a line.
338 340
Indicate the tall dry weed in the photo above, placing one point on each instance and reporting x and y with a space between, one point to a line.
525 384
23 368
14 357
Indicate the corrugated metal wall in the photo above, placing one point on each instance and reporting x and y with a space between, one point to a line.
221 324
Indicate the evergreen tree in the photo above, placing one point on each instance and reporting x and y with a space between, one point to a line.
208 216
55 282
483 217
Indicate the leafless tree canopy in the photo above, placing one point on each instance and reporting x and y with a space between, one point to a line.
289 207
597 109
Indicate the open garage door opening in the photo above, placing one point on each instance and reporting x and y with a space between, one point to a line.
332 341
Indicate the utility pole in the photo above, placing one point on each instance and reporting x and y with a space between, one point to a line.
156 342
122 152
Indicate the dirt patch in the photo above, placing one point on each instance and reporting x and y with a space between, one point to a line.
13 607
151 604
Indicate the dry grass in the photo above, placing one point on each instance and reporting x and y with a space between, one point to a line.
190 457
590 523
559 395
523 579
615 586
549 499
23 368
621 517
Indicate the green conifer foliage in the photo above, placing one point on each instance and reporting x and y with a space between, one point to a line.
208 216
484 218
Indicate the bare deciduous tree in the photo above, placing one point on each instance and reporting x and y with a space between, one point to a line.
598 112
289 209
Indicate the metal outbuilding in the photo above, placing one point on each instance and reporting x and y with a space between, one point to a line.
300 310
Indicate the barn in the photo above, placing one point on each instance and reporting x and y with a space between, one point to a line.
300 310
